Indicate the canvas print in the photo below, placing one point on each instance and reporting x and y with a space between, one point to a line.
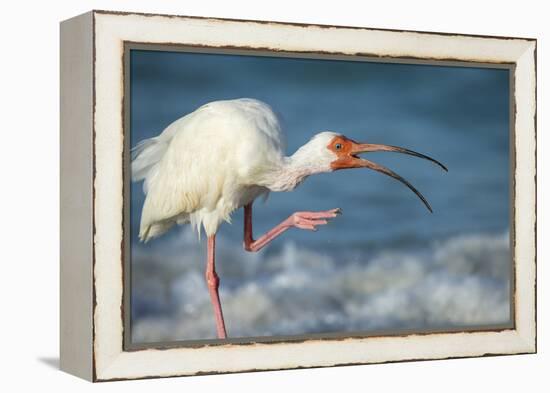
285 197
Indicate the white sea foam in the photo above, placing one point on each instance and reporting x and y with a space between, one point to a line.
462 281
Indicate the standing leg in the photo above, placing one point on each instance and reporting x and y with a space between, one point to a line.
213 283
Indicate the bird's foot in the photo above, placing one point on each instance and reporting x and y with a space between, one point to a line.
310 220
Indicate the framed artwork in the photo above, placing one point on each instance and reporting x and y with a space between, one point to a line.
247 195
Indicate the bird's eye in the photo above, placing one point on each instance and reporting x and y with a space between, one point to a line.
338 146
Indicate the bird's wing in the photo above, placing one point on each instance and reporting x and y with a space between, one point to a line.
209 157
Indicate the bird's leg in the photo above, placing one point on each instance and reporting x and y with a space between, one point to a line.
302 220
213 283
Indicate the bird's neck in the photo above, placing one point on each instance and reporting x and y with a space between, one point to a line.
292 171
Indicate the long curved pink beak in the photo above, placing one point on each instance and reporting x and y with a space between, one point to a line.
358 148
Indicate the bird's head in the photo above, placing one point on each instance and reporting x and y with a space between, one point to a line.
332 151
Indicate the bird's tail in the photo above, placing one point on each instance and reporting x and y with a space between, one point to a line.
148 153
145 155
148 232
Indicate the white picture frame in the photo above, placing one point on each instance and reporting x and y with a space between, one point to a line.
93 192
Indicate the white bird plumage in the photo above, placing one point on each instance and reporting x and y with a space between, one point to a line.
215 160
222 157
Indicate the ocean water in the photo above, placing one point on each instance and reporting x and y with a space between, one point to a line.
386 263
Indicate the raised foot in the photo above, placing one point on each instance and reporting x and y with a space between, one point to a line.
310 220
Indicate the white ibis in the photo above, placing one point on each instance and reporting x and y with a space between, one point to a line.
223 156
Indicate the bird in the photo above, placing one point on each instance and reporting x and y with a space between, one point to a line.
225 155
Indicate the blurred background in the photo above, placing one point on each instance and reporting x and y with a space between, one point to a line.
386 264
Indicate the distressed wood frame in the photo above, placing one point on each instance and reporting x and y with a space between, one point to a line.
93 208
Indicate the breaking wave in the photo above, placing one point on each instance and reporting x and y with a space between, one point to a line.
459 282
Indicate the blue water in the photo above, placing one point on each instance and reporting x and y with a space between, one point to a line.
458 115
